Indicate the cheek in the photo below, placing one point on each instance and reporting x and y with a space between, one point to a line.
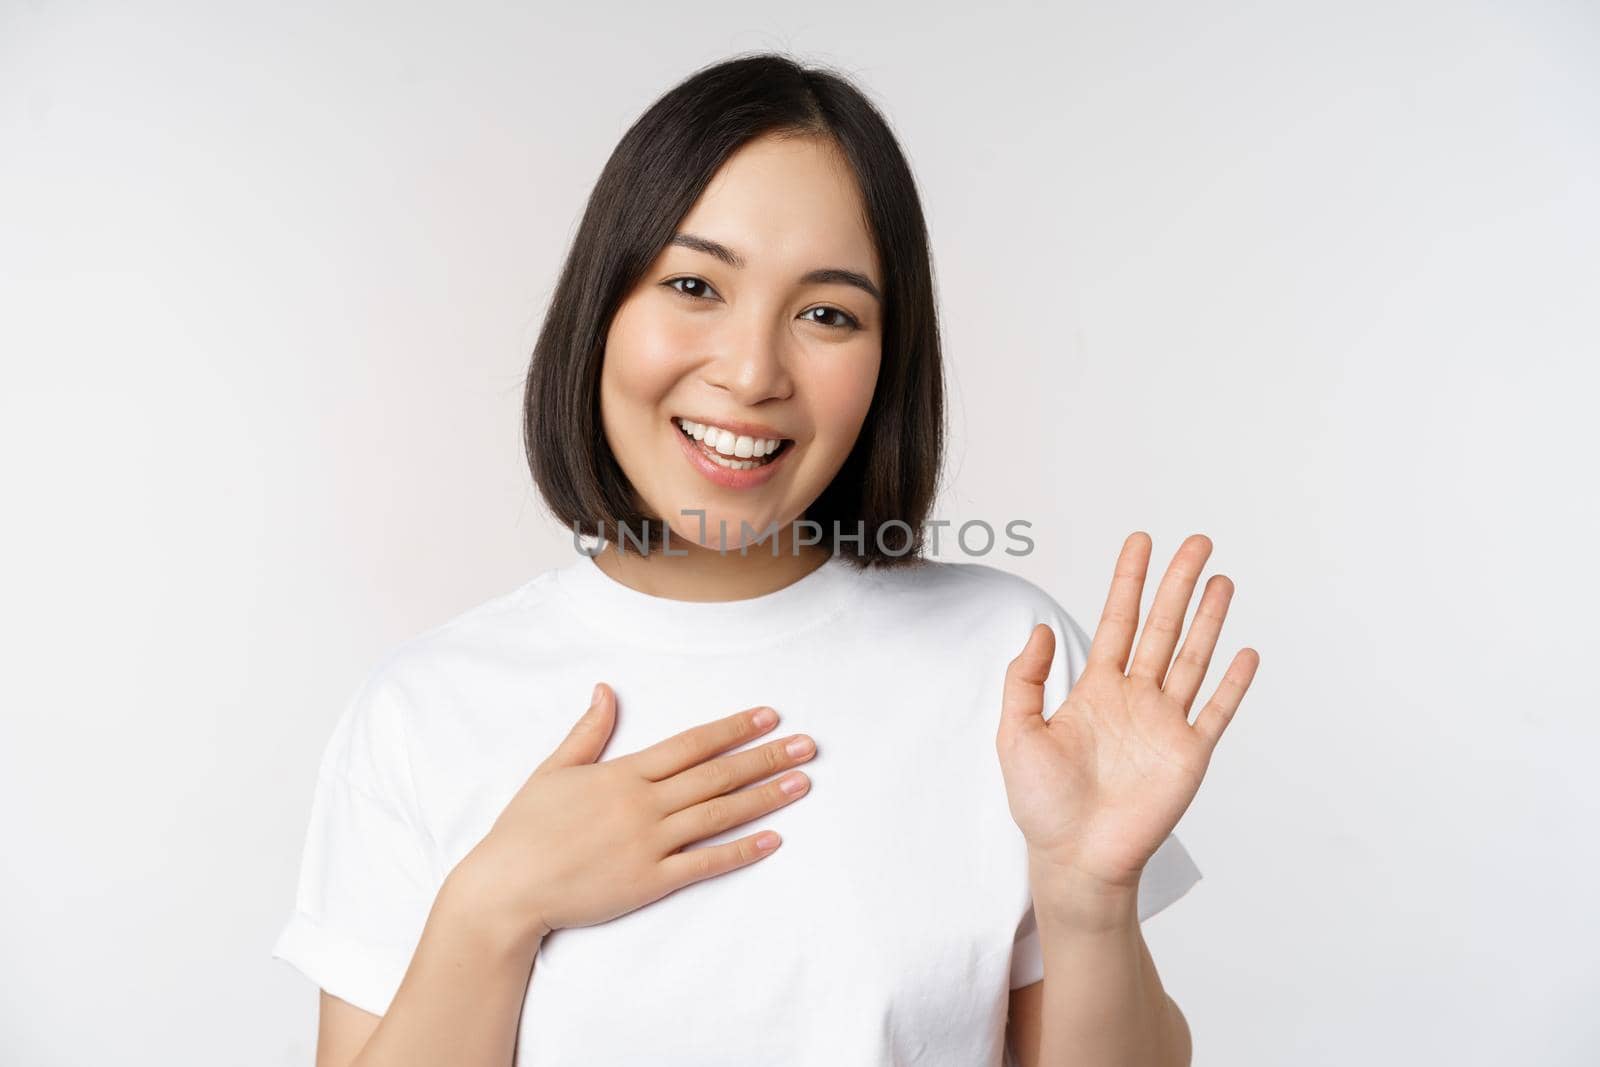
842 393
645 356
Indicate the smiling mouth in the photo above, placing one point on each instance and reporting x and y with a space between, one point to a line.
730 450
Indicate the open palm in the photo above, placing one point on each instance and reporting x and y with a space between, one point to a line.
1100 784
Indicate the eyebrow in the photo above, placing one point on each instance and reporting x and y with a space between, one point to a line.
820 276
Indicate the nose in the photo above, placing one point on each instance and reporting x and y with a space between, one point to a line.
751 363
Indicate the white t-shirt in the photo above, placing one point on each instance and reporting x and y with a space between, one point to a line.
887 929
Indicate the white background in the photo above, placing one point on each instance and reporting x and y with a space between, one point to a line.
1316 279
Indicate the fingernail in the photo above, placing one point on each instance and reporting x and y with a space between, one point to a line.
798 747
793 784
766 841
764 717
594 697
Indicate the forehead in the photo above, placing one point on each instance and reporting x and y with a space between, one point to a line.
787 204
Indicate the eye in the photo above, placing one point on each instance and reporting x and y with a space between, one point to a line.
849 321
699 289
672 283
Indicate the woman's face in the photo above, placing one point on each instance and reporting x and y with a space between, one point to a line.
759 322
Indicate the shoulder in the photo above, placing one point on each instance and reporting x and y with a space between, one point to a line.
987 612
407 699
978 591
415 672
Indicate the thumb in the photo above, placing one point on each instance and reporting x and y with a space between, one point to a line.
1022 700
588 736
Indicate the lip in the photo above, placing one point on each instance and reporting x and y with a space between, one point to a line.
720 475
746 429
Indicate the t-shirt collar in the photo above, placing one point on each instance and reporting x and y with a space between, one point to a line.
636 617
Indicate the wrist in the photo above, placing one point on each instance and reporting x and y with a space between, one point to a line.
1065 893
474 894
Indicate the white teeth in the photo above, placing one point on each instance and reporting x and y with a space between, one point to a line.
727 443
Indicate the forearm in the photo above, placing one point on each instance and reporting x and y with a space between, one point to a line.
1102 1001
461 999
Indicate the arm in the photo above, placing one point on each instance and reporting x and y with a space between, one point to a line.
1096 788
1101 1001
460 1000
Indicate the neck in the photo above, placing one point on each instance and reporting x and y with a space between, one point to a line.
693 572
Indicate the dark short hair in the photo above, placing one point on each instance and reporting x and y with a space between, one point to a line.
654 176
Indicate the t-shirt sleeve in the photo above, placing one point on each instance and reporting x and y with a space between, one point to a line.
1170 871
368 875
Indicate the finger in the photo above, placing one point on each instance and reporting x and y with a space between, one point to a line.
1194 659
700 743
698 864
711 817
1218 712
1165 621
1113 636
1022 696
588 736
727 773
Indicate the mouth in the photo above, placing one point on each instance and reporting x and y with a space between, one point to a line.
730 451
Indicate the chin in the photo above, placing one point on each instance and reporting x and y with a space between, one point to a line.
687 527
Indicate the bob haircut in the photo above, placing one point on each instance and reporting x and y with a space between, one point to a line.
887 484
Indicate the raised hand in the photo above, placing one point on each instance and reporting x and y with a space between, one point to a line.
1098 786
586 841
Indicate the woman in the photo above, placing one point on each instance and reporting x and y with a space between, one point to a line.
739 379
